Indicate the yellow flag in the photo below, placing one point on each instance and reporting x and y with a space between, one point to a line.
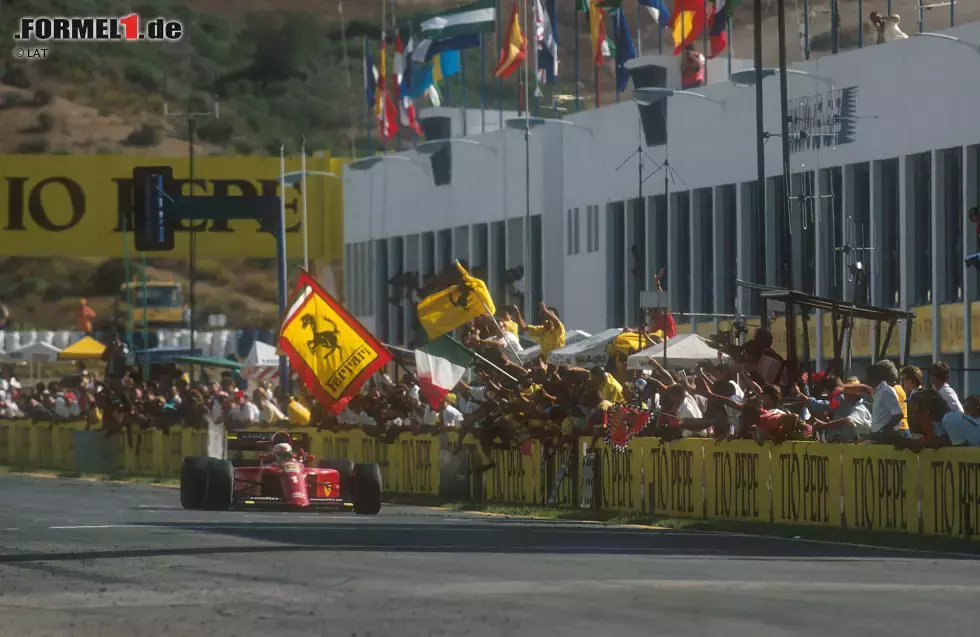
446 310
327 348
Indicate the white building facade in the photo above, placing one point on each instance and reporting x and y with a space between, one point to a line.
889 159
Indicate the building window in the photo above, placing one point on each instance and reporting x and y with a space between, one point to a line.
592 229
616 263
889 258
952 246
703 219
727 256
682 261
781 236
572 232
919 210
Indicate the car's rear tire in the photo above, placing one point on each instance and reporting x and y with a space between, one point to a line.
220 489
367 488
193 481
346 470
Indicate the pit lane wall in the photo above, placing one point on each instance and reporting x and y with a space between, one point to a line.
868 487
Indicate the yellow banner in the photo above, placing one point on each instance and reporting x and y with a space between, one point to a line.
72 205
446 310
880 488
950 492
676 470
620 476
806 483
514 478
737 481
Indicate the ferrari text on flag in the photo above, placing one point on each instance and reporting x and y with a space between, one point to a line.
328 349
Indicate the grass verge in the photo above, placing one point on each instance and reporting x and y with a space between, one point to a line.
882 539
163 481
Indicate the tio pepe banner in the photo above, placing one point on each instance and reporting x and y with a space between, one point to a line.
73 205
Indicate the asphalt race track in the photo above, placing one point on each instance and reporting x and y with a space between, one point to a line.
104 560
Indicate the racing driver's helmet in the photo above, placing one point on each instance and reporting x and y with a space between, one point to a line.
283 452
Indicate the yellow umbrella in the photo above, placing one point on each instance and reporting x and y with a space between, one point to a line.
86 349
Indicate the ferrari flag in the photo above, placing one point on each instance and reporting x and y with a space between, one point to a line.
446 310
327 348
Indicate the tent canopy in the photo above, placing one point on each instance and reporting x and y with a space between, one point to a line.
208 361
262 355
588 352
87 349
684 351
574 336
36 352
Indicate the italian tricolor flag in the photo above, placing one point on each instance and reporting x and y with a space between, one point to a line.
440 364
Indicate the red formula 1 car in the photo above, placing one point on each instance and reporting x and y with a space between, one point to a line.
280 475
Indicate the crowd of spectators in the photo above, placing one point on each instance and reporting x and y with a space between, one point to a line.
507 401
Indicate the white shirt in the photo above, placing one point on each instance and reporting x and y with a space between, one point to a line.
690 409
247 412
347 417
511 344
452 417
270 413
885 406
960 428
949 395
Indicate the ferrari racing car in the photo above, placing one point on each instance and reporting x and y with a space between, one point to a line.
278 476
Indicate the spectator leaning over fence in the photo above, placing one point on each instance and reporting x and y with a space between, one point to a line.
939 379
886 410
911 377
939 426
269 414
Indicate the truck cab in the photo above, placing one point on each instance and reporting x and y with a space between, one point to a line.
164 304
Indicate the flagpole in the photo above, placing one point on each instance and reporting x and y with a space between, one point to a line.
528 276
639 32
532 42
462 82
660 36
731 40
806 27
370 137
500 81
483 82
281 258
306 251
618 28
578 10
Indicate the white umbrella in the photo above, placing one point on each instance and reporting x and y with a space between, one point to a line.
574 336
588 352
684 351
36 352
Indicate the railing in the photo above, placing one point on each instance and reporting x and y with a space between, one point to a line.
863 486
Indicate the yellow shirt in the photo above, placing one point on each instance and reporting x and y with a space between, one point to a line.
905 408
510 326
611 390
298 414
549 340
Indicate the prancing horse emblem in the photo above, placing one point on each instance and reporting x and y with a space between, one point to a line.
462 300
326 338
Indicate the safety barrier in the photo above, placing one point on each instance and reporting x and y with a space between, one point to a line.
866 487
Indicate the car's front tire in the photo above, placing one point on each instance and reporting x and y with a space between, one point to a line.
367 488
193 481
219 494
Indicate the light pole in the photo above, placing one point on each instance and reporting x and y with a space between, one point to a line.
646 97
526 124
191 117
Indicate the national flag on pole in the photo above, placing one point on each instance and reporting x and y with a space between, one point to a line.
446 310
718 21
439 365
384 107
514 50
658 10
687 22
331 353
458 43
547 41
597 30
624 51
404 73
475 17
370 80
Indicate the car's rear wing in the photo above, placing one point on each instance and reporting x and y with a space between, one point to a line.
262 440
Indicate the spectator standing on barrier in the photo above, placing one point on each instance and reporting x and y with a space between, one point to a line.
550 335
83 317
4 316
939 379
692 68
